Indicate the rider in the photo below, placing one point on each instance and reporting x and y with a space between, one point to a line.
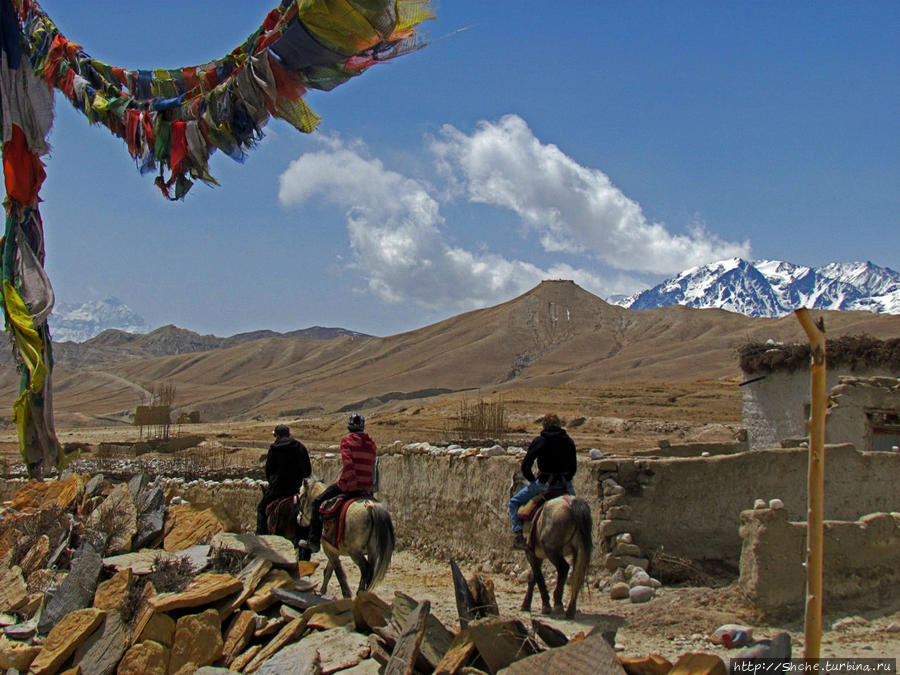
287 464
554 451
357 474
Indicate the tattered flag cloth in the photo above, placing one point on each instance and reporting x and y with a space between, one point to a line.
187 113
170 120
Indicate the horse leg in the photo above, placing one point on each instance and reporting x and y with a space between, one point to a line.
365 570
326 576
538 578
341 576
562 572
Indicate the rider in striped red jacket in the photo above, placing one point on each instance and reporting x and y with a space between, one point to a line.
357 474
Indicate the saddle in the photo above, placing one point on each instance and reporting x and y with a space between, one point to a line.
334 516
274 506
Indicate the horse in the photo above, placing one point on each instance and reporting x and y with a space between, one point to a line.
368 539
562 528
282 518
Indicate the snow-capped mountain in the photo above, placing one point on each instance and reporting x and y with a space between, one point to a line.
774 288
77 323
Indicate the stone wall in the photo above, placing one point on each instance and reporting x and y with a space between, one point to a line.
860 557
456 506
777 406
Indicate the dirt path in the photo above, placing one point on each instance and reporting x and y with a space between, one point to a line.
677 621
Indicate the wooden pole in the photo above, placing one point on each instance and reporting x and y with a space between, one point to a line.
815 547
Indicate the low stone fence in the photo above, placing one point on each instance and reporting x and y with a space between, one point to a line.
861 557
454 504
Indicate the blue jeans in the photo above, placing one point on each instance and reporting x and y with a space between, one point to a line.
525 495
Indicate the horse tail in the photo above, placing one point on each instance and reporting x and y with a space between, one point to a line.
381 543
584 543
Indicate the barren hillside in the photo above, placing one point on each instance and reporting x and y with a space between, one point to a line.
556 334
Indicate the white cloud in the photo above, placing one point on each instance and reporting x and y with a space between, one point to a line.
571 208
394 228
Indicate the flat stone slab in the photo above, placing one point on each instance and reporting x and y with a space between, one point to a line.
204 589
278 550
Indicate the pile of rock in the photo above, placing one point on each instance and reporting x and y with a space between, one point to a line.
633 583
616 530
97 578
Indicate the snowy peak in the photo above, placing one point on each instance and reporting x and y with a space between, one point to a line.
773 288
77 323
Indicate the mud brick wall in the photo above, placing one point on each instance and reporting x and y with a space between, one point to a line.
860 557
452 506
692 506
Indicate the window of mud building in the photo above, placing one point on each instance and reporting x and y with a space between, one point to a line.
884 429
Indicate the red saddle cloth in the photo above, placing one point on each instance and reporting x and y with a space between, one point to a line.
334 517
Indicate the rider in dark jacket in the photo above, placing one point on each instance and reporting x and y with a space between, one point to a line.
287 464
554 451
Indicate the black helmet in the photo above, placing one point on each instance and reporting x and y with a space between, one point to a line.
281 431
356 422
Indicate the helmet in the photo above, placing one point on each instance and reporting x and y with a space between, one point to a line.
356 422
281 431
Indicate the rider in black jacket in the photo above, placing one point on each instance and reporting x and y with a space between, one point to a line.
287 464
554 451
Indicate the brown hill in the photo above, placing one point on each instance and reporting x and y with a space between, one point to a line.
556 334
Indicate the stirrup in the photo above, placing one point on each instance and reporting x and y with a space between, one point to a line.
309 545
519 542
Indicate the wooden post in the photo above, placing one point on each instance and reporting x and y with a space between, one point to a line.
815 547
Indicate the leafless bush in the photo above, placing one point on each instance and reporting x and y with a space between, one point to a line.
481 420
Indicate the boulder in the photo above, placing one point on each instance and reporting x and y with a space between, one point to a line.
203 589
111 594
117 518
640 593
145 658
39 495
619 591
102 651
159 628
17 655
151 506
187 525
263 598
37 556
295 659
337 648
67 636
75 592
238 635
13 591
198 640
582 657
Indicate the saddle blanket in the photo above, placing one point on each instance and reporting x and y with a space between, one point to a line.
334 516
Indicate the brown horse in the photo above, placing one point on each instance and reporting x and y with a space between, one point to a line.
368 539
562 528
282 518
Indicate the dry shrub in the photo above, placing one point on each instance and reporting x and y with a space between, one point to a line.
223 560
481 420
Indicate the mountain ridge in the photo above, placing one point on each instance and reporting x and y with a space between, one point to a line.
554 335
774 288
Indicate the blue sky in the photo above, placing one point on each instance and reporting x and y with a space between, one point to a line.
612 143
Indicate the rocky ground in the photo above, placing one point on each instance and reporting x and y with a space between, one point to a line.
674 622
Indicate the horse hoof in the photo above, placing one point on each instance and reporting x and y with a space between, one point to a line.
526 608
570 615
558 609
546 611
